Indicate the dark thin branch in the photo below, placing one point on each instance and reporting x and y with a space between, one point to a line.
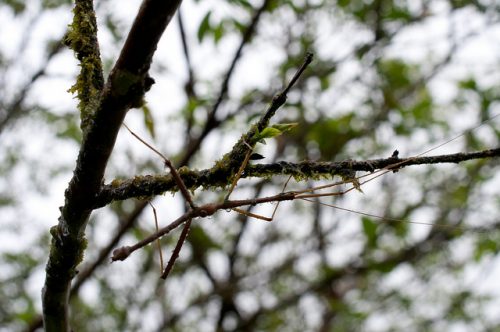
212 121
307 62
190 82
150 185
15 109
177 249
280 98
232 164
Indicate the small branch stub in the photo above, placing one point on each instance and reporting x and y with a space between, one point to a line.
121 254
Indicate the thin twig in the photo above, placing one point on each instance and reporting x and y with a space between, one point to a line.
177 249
242 144
282 191
177 178
253 215
158 240
280 98
307 61
187 57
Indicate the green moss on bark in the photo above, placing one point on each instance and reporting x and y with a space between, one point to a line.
82 39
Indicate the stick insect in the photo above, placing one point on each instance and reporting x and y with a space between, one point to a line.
308 195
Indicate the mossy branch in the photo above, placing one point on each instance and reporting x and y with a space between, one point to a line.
151 185
231 162
100 123
82 39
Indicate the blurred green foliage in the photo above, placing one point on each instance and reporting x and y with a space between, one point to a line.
385 77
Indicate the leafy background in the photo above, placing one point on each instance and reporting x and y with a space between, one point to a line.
387 75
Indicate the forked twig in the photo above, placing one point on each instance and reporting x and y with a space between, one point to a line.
278 101
209 209
306 194
177 178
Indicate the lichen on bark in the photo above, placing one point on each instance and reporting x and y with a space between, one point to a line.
82 39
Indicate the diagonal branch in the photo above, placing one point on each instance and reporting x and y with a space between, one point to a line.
15 108
177 249
88 270
126 85
212 122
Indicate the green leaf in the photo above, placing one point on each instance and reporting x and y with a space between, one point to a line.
113 28
283 127
399 14
370 231
240 27
485 246
324 82
343 3
243 3
199 238
468 84
268 132
204 27
273 131
148 120
219 31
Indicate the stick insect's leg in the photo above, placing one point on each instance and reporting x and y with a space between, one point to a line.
257 216
158 240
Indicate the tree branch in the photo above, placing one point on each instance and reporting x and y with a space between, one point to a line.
151 185
126 85
15 109
209 209
212 122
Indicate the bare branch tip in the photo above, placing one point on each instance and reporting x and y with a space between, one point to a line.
120 254
309 58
